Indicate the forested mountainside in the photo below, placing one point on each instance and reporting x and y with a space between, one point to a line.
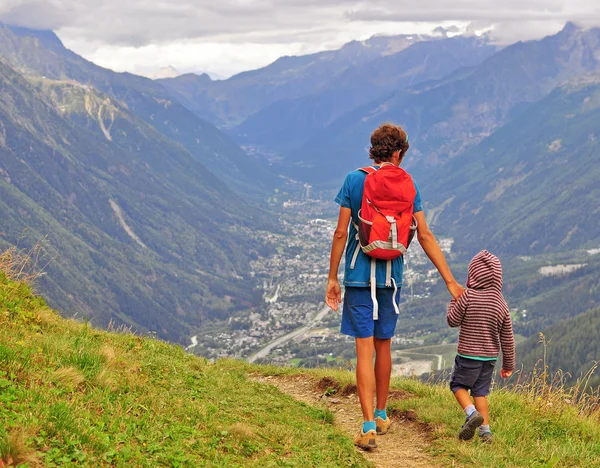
532 186
138 231
570 346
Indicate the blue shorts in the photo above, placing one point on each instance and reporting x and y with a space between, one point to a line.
357 313
473 375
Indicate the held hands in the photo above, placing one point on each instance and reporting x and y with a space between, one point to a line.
505 374
333 294
455 289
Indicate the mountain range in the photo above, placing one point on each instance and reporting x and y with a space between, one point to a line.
40 53
445 117
164 72
532 186
152 209
289 123
229 102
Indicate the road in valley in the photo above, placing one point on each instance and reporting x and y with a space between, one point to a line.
264 352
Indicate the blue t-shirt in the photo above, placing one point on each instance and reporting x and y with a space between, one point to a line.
350 196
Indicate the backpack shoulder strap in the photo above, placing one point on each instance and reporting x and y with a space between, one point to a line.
367 170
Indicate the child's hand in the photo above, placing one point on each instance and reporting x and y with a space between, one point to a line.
505 374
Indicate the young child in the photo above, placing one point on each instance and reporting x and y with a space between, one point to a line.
485 327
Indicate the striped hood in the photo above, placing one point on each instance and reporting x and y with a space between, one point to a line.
485 271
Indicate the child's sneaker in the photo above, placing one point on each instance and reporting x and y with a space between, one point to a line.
366 441
467 431
383 425
486 437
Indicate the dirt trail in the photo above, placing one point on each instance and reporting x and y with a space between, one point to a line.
405 445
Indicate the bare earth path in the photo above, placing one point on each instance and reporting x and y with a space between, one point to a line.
405 445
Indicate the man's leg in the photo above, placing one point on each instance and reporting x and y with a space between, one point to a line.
383 371
365 376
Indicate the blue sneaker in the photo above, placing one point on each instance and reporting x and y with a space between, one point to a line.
486 437
467 431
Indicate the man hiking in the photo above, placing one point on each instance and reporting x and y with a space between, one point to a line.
372 281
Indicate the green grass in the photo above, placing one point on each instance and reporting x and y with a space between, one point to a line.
71 395
528 432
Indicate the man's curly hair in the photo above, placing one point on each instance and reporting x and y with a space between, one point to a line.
385 140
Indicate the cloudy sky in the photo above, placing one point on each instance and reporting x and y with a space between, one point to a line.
224 37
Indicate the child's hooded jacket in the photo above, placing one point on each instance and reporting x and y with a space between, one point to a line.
482 313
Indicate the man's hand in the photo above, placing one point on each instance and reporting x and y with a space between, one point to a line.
505 374
455 289
333 294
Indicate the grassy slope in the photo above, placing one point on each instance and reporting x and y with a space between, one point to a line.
70 394
529 432
534 425
74 395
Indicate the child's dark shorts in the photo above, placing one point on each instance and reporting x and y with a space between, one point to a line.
472 375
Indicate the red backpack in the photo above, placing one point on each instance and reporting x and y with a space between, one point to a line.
386 224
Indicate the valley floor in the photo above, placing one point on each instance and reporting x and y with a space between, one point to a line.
293 327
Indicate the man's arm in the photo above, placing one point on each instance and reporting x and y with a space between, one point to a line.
435 254
333 294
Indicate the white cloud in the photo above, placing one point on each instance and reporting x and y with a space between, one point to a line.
228 36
